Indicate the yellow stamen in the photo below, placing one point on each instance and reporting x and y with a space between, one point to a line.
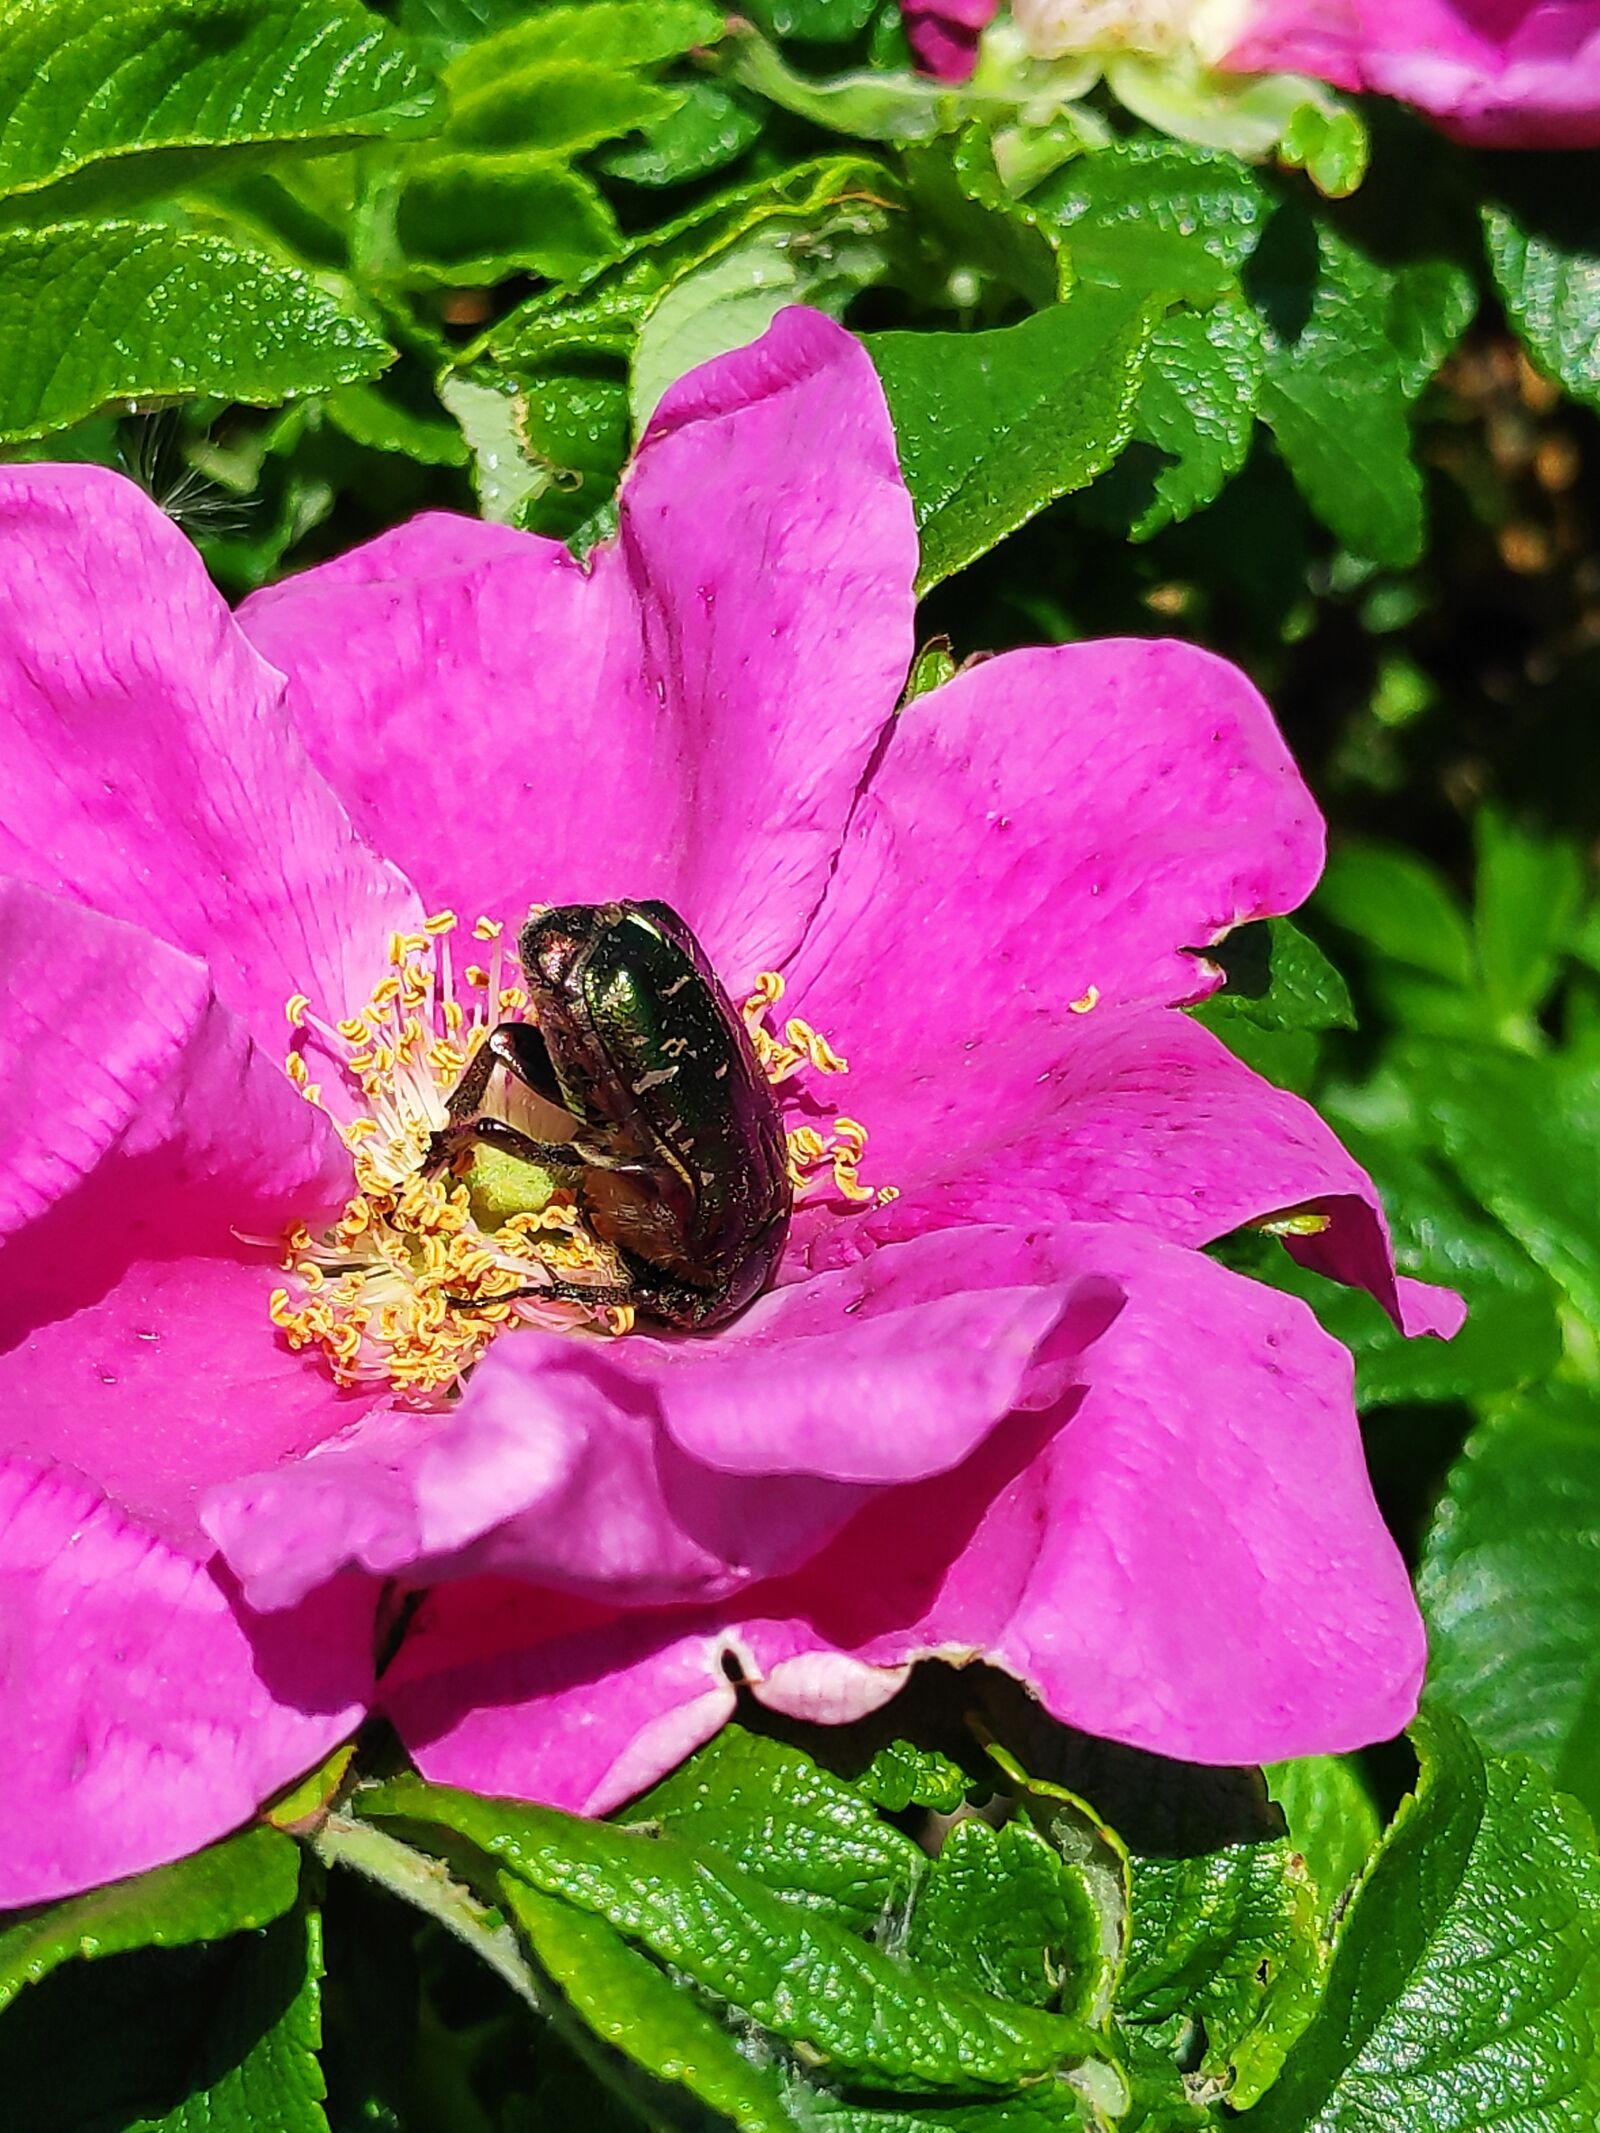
811 1154
838 1154
805 1046
406 1286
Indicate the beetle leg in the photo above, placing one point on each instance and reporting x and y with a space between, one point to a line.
615 1292
522 1051
449 1141
467 1095
519 1048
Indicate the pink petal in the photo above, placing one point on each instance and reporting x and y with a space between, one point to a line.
1136 1116
1047 823
944 36
143 1714
688 719
148 768
1509 73
143 1135
1185 1556
660 1471
510 1690
115 1041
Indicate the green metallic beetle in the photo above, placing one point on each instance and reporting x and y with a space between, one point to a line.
679 1162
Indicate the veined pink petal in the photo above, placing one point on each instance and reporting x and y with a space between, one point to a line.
1051 826
687 719
1185 1556
1505 73
144 1131
142 1715
148 767
1140 1116
664 1471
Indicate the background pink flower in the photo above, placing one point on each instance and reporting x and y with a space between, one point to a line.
1011 1412
1502 73
943 34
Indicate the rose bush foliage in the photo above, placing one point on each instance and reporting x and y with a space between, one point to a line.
1013 1411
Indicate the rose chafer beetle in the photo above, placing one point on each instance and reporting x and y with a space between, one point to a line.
679 1160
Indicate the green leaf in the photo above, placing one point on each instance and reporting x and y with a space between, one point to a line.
1001 1908
1512 1334
1156 216
813 21
1329 143
1278 978
506 475
1281 994
80 81
369 417
800 1830
1198 199
1529 890
1050 2108
1544 248
220 2037
1525 1136
556 107
902 1775
1227 1939
1402 906
100 312
574 429
604 312
634 2007
1179 222
1194 419
709 129
470 220
993 426
446 25
599 33
1096 1859
975 231
1431 304
867 105
246 1881
1510 1585
1334 393
789 1969
1333 1824
1465 1987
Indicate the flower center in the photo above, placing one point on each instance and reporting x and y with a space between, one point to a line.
429 1262
1155 29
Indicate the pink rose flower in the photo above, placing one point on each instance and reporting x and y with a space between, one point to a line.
1012 1412
1500 73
